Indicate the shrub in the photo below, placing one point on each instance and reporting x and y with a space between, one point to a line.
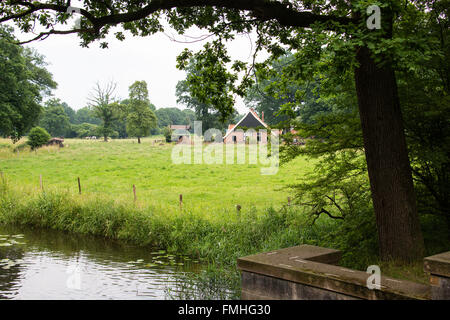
38 137
168 134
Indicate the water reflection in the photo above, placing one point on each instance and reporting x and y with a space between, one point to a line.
47 264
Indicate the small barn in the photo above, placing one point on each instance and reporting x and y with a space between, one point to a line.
241 133
180 132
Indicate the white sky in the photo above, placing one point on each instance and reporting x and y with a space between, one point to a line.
153 59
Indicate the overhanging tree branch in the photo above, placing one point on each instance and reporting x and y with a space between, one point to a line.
263 10
38 6
45 35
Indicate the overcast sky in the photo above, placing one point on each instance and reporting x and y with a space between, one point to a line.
153 59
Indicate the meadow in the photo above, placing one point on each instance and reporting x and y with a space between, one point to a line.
109 170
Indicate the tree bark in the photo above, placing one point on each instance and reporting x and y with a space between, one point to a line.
139 139
391 183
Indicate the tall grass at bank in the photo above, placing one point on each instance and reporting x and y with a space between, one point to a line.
219 236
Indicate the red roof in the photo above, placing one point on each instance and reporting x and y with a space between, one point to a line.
180 127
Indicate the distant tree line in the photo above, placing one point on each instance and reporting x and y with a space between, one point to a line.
60 120
25 83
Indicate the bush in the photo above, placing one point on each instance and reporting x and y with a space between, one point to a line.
38 137
168 134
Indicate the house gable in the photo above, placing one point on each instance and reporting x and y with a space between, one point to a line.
250 120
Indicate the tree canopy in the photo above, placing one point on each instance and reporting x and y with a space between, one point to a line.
292 100
168 116
24 81
55 119
140 118
86 115
204 111
104 106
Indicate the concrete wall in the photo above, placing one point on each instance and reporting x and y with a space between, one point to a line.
312 273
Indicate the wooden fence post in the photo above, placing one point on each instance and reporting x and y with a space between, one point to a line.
40 182
289 201
134 193
79 185
181 201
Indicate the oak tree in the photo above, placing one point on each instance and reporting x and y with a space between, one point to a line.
140 118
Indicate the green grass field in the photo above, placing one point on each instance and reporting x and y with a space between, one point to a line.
110 169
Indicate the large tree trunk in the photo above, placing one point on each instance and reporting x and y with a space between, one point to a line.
139 139
393 196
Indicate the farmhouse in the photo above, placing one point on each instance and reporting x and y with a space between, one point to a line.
249 128
180 131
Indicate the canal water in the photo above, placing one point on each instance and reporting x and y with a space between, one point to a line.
48 264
